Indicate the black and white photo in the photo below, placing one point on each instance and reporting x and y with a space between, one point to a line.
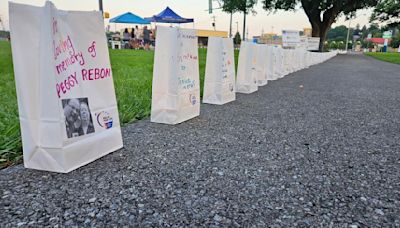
78 118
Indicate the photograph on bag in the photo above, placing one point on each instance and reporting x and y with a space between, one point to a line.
78 118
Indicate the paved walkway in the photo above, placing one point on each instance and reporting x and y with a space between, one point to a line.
318 147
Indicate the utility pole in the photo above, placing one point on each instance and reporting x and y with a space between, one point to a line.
101 6
348 34
244 25
230 26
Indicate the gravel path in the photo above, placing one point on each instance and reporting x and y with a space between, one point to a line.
320 147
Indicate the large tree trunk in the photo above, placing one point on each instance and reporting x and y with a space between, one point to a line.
320 26
323 31
320 29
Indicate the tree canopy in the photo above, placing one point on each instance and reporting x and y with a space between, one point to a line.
321 14
387 11
238 5
243 6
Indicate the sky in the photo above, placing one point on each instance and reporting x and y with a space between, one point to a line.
197 9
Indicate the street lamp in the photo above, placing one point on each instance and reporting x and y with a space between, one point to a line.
348 31
348 34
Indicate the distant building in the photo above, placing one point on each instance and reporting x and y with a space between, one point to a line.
204 34
307 32
378 43
268 38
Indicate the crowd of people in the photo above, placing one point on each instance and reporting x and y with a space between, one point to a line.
138 38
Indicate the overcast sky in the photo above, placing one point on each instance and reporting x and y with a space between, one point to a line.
196 9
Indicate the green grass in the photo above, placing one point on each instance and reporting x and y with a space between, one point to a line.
10 139
132 72
387 57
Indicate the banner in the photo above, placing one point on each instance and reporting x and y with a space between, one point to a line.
66 99
246 81
219 81
290 38
313 43
176 89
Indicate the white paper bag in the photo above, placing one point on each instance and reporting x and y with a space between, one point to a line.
176 89
261 64
278 63
270 63
219 81
66 99
246 81
287 61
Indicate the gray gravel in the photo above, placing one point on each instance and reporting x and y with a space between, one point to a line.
320 147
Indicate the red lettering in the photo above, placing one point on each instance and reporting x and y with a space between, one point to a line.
96 73
62 86
58 90
74 80
90 74
67 85
84 74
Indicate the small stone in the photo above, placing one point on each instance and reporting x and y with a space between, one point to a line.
220 173
362 198
92 214
217 218
379 211
353 226
140 205
92 200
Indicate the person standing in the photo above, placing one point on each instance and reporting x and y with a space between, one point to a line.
125 38
146 38
132 41
137 37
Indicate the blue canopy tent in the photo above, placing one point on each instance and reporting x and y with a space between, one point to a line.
169 16
129 18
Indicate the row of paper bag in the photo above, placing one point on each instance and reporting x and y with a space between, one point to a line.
176 84
67 107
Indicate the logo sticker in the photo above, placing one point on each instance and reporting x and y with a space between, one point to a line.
104 119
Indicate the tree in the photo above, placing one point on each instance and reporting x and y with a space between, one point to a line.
321 14
237 39
364 32
244 6
374 30
338 33
395 41
387 11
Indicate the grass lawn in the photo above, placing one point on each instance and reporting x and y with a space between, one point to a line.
132 72
387 57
